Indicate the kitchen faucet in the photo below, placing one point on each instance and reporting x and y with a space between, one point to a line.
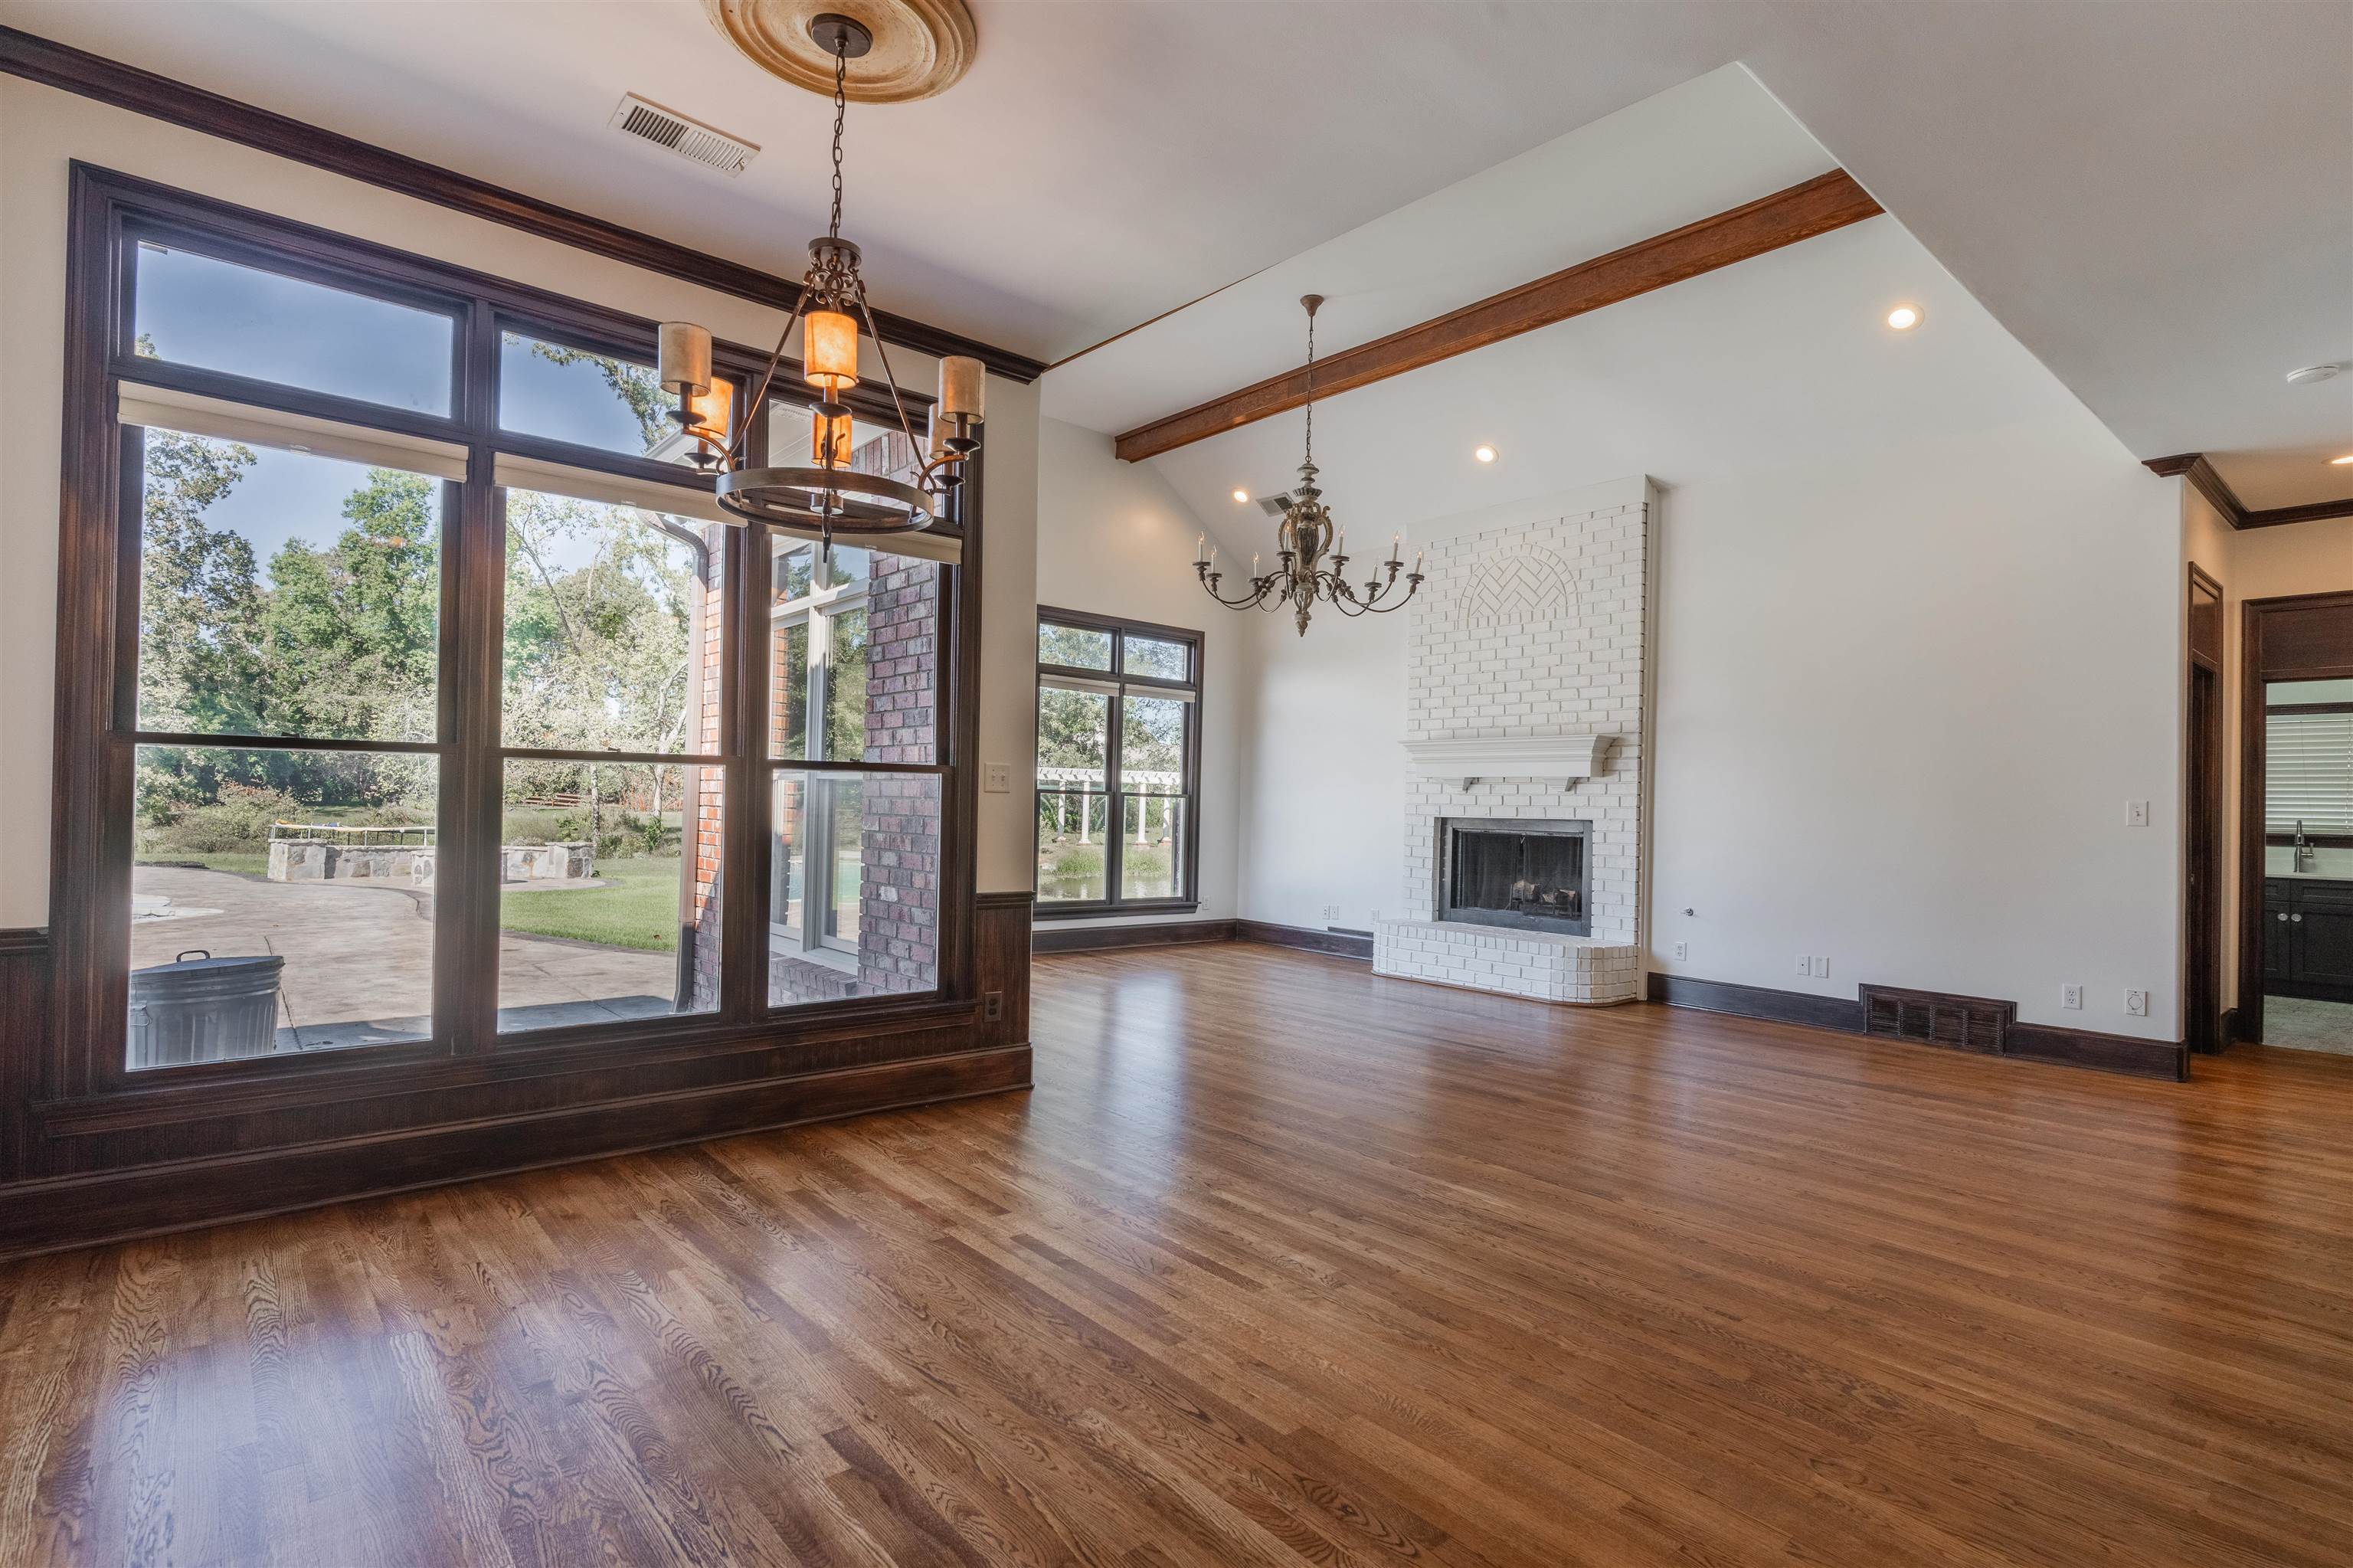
2303 852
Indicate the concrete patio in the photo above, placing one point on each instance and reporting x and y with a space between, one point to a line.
359 957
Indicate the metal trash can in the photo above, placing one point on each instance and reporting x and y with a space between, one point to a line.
199 1007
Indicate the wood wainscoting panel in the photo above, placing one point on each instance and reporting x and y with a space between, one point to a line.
1000 945
24 1025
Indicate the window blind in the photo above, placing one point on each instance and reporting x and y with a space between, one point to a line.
2308 772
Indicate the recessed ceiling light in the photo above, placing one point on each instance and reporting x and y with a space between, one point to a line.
2312 373
1483 452
1904 318
1242 497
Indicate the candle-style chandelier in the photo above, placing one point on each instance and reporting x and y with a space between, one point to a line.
829 494
1306 540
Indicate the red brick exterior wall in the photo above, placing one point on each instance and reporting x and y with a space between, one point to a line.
898 895
702 838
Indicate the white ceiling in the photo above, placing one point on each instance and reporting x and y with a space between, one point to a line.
2154 198
1783 360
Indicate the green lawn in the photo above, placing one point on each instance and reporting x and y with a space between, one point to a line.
226 860
639 909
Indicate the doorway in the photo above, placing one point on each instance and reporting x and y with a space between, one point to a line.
2295 816
2203 820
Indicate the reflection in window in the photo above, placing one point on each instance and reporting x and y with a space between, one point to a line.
609 893
1159 657
603 605
286 594
590 399
855 651
281 901
854 885
193 310
1073 645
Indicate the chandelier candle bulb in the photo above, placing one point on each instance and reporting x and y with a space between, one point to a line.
1197 557
962 383
830 346
683 354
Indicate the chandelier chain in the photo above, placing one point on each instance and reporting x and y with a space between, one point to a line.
841 117
1311 388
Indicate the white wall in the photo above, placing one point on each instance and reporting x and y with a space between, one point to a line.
1904 700
1113 539
1904 697
41 129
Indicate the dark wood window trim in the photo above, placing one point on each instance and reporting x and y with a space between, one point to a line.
1120 628
78 1087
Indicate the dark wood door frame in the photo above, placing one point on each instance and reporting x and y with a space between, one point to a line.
2203 820
2295 637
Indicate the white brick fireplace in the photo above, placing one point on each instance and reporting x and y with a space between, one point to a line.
1525 680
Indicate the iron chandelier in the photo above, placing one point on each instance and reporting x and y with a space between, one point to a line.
828 493
1306 540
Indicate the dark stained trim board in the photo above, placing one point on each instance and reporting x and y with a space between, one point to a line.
1144 934
2193 467
95 76
2027 1042
1815 206
1339 944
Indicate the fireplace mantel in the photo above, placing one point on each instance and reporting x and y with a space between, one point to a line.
1565 757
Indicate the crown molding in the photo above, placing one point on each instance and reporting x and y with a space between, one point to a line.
2194 468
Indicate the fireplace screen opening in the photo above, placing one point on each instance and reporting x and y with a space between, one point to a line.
1529 875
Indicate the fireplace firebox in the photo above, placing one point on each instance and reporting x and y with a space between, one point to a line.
1530 874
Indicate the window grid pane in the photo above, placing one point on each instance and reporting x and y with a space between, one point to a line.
854 870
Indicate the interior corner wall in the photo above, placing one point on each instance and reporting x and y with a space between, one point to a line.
43 129
1903 703
1113 539
2259 563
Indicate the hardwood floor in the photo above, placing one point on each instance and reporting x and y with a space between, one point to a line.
1278 1263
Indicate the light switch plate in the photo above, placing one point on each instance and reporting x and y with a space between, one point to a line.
2136 813
1821 967
997 777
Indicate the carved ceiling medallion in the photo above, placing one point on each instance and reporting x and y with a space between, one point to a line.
920 47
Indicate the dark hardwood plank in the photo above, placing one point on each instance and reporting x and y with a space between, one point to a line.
1814 206
1281 1263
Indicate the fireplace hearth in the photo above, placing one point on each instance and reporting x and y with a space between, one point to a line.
1532 875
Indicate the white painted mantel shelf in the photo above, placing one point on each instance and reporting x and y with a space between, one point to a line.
1566 757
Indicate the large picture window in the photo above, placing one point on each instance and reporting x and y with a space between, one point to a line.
423 710
1118 764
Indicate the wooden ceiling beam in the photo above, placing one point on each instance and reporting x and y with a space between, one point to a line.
1818 206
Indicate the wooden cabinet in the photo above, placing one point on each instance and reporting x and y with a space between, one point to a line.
2308 937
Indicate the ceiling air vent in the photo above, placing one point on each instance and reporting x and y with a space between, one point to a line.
687 138
1275 505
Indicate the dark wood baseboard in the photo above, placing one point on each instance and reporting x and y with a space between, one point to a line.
1758 1002
2108 1053
2027 1042
175 103
50 1214
1339 944
1148 934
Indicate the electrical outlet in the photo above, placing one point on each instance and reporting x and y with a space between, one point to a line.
1331 912
997 777
2136 813
992 1006
1682 951
2071 996
2137 1003
1821 967
1805 963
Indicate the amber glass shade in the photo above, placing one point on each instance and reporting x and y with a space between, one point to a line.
829 350
962 380
833 434
712 408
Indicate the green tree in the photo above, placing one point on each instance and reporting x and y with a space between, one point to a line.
199 597
638 385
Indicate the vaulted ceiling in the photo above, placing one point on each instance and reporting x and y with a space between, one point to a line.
2154 199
